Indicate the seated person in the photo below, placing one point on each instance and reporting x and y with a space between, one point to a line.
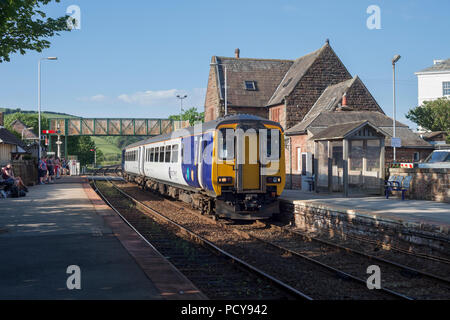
8 176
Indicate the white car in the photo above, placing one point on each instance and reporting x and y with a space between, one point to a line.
437 159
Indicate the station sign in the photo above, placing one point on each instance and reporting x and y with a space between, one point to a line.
48 131
396 143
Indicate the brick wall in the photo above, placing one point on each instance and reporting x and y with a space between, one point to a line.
406 154
326 70
293 171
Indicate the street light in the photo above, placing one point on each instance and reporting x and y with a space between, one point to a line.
39 100
394 60
225 69
181 108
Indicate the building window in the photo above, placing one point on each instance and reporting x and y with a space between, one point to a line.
446 88
250 85
416 157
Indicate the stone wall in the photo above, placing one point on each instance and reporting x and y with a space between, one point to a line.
339 223
326 70
426 184
212 99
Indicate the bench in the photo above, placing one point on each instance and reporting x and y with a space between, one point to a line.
397 183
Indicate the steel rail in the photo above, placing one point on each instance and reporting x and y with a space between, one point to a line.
281 285
390 262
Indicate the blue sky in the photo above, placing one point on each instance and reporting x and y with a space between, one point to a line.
130 58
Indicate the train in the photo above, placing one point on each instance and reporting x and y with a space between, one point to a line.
232 167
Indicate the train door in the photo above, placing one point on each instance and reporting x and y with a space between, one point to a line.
248 160
141 160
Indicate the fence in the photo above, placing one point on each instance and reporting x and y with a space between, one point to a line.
27 170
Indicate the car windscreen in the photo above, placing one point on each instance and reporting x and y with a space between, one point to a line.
442 156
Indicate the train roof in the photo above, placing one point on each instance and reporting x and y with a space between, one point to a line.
204 127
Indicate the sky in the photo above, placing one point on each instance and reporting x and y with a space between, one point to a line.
131 58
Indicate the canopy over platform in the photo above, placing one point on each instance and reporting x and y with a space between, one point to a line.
349 158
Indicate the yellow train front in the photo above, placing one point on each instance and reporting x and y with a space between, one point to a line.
248 171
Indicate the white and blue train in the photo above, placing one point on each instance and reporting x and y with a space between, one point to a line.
199 165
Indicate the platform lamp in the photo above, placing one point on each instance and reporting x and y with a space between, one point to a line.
394 60
39 100
181 108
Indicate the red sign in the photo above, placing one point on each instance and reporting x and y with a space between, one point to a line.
48 131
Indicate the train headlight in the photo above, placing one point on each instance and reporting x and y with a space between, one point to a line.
273 179
225 180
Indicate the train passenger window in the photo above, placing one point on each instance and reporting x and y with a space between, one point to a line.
226 144
168 150
152 154
175 153
161 154
156 154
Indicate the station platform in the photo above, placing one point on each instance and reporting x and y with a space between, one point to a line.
408 211
424 225
67 224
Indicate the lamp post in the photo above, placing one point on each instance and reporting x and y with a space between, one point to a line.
225 77
39 100
181 108
394 60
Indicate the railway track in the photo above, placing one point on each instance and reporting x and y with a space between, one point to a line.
317 279
201 261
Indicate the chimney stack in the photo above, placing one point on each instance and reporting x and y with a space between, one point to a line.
236 53
1 119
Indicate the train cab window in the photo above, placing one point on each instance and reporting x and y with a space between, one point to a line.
156 154
175 153
273 144
168 150
161 154
226 144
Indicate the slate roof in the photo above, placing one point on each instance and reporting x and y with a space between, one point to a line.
329 118
337 118
267 73
9 138
340 131
438 67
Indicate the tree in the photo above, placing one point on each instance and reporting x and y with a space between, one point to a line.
81 147
23 26
432 115
191 114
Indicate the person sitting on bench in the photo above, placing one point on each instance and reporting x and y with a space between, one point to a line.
8 176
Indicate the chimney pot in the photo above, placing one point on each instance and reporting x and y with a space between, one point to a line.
236 53
344 99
